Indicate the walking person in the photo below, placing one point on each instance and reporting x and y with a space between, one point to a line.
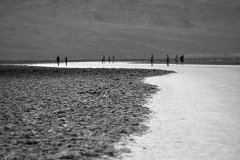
109 59
58 60
66 60
167 59
182 58
152 59
176 59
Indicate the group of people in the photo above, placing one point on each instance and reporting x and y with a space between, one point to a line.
151 59
58 60
168 59
109 59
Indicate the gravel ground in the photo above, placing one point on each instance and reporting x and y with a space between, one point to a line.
53 113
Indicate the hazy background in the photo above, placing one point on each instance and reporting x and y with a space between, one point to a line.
87 29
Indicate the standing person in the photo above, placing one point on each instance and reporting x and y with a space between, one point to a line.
167 59
103 59
176 59
66 60
113 59
58 60
109 59
152 59
182 58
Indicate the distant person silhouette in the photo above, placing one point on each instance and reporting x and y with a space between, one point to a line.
109 59
167 59
103 59
58 60
176 59
182 58
113 59
66 60
151 60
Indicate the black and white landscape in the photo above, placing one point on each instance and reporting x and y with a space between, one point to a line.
93 106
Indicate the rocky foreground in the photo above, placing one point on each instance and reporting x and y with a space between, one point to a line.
53 113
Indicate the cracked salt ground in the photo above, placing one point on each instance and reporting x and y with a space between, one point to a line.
196 114
195 117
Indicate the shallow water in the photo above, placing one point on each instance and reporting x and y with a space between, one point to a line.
196 113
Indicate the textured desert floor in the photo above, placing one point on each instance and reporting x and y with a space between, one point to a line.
62 113
196 113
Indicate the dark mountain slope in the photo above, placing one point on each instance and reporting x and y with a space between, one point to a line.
33 29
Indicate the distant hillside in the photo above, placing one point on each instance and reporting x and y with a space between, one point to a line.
83 29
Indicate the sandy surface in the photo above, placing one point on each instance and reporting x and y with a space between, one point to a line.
196 114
